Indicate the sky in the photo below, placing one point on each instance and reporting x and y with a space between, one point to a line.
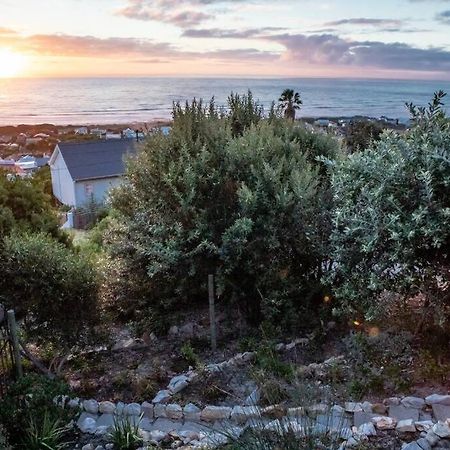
256 38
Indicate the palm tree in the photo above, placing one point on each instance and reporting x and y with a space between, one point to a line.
289 102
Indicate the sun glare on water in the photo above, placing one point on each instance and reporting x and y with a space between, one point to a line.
11 64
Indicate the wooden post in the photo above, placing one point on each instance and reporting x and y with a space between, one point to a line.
212 312
15 342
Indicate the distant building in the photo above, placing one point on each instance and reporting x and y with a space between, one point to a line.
322 123
86 171
81 130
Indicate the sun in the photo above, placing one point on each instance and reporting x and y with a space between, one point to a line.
11 64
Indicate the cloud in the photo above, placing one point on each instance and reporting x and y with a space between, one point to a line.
229 34
444 17
7 32
331 50
365 21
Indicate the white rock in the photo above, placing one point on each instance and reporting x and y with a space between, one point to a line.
91 406
296 412
174 412
88 425
159 410
432 438
438 399
133 409
213 413
109 446
87 447
147 409
102 430
424 425
106 407
188 435
253 399
441 429
366 407
367 429
157 435
191 412
392 401
384 423
413 402
119 408
74 403
178 383
318 408
174 330
99 447
162 397
406 426
353 407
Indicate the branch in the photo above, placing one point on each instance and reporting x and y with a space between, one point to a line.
38 364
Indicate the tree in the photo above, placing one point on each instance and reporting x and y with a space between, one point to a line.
250 208
361 133
392 221
290 101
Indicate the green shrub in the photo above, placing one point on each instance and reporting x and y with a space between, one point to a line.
51 287
189 355
252 209
45 434
33 397
392 222
4 445
125 434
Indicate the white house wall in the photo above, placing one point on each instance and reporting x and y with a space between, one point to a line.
97 190
62 183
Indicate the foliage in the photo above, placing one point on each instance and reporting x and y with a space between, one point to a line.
189 354
361 133
429 117
32 396
45 434
4 445
25 205
244 112
392 222
125 434
379 363
252 209
290 101
48 285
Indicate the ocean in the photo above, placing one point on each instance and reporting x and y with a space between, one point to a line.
125 100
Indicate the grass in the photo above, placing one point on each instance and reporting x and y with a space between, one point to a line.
125 434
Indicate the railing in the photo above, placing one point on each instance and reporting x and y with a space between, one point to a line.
10 364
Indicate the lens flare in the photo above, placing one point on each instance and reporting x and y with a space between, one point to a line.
11 64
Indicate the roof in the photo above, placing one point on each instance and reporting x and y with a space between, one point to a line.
96 159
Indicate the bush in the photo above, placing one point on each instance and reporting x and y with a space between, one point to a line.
251 209
28 405
392 223
51 287
360 134
4 445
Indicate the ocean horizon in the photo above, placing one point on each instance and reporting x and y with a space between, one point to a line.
76 101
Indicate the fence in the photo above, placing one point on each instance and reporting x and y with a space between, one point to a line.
10 364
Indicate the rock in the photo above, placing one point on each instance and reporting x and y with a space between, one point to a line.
406 426
361 417
127 344
319 408
366 407
87 447
423 425
413 402
162 397
337 409
274 411
174 411
391 401
147 409
133 409
432 437
101 431
423 444
441 412
191 412
212 413
441 429
105 420
290 346
90 406
367 429
253 399
178 383
280 347
119 408
174 330
295 412
157 435
88 425
159 410
384 423
187 330
99 447
188 435
74 403
109 446
379 408
106 407
240 414
402 413
438 399
412 446
353 407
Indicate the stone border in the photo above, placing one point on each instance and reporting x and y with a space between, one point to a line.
355 421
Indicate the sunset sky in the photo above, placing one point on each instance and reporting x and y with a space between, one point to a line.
301 38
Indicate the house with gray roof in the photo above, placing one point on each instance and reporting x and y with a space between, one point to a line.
84 172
